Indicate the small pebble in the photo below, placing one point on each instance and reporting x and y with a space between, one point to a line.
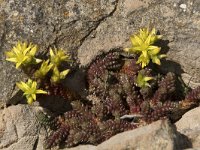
183 6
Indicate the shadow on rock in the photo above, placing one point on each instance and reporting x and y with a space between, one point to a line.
164 46
182 142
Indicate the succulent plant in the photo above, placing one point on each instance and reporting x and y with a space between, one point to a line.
117 87
30 90
142 81
57 56
43 70
23 54
143 44
57 75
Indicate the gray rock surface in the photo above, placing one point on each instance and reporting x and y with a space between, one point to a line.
159 135
18 128
189 125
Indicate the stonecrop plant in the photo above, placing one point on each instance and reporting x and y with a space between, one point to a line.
30 90
24 55
142 81
43 70
117 85
57 56
143 44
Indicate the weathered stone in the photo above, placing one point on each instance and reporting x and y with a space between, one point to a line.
18 127
158 135
189 125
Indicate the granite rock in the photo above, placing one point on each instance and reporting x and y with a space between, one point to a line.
19 127
189 125
160 135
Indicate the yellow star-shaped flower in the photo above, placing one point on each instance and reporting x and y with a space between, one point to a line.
57 75
22 54
30 90
142 81
142 44
58 56
43 70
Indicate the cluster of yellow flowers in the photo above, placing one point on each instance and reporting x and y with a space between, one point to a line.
23 55
30 90
142 44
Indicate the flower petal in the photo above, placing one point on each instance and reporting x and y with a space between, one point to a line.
136 41
148 78
153 50
12 59
18 65
33 50
34 85
29 99
33 96
9 54
41 92
51 53
64 73
144 53
21 86
156 60
162 56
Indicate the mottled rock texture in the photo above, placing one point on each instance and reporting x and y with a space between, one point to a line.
189 125
158 135
18 127
87 28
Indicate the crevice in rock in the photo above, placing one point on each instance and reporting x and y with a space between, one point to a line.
3 37
182 141
99 22
35 143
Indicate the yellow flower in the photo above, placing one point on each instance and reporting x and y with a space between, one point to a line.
22 54
144 61
58 56
142 81
155 56
43 70
30 90
142 44
57 76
